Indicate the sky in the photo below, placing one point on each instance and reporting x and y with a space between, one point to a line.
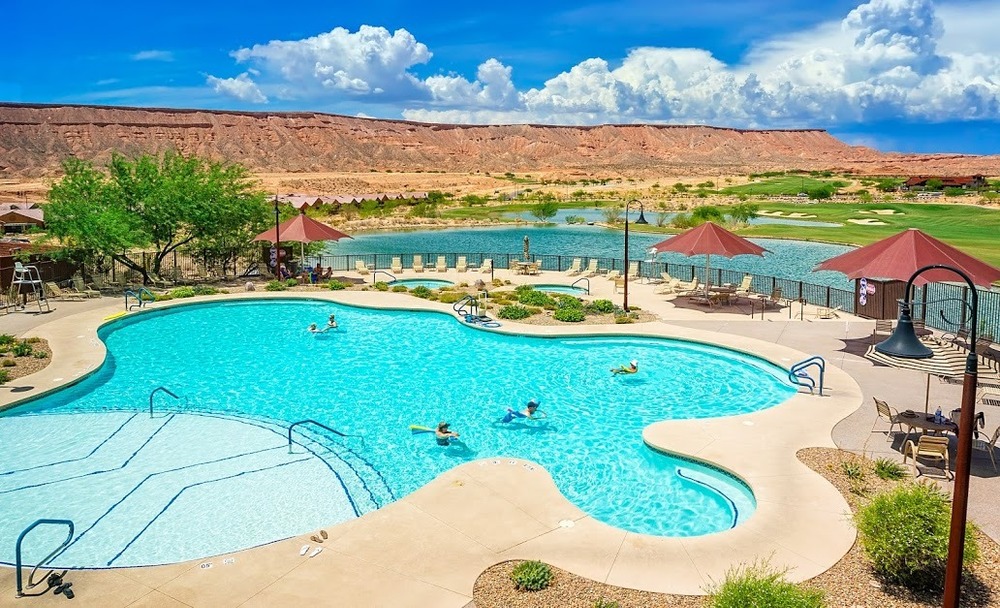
896 75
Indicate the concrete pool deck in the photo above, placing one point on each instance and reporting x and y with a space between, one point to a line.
428 548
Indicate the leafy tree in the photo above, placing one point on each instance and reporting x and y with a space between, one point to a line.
156 203
865 196
545 211
887 185
613 214
578 194
934 184
743 212
473 199
954 192
821 192
706 214
436 196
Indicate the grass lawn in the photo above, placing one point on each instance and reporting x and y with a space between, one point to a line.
483 212
788 185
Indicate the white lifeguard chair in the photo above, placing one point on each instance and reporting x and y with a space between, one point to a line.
28 281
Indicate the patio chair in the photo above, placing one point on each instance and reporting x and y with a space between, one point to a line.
56 292
888 414
934 447
461 265
396 266
361 267
633 270
613 275
743 290
591 268
774 300
418 263
442 264
574 268
883 327
669 286
537 267
959 335
486 266
824 312
619 284
978 443
691 288
86 290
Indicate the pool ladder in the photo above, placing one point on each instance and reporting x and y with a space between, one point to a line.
581 280
53 579
391 276
139 300
468 305
156 390
798 375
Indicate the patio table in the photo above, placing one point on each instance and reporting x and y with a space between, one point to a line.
925 422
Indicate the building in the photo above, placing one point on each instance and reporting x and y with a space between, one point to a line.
966 182
19 217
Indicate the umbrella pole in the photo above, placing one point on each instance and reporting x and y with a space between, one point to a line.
927 395
708 263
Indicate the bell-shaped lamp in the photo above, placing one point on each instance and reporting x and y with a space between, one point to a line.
903 342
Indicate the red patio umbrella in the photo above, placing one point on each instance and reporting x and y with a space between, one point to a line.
708 239
302 229
899 256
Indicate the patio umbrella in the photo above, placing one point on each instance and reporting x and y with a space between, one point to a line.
302 229
948 361
527 249
899 256
708 239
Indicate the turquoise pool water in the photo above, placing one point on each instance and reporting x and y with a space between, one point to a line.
428 283
255 367
551 288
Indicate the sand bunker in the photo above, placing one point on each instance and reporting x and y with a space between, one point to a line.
881 211
771 213
801 215
868 221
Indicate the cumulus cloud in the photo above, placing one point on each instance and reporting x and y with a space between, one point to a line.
886 59
153 56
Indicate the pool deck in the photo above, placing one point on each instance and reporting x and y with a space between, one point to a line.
428 548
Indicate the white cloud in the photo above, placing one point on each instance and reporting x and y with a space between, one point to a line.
153 56
241 87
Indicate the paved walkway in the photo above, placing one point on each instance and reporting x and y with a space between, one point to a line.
428 548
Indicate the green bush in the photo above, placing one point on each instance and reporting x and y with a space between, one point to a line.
601 307
336 285
7 339
567 301
889 469
450 297
399 288
381 286
760 585
8 362
4 376
291 282
182 292
536 298
421 292
514 311
22 349
520 289
603 603
163 297
205 290
531 576
275 285
905 534
853 469
569 315
41 354
623 319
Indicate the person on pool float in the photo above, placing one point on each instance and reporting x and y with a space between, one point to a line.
632 368
528 412
332 323
313 329
443 434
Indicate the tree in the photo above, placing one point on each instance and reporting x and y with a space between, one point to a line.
706 214
821 192
545 211
934 184
742 213
158 203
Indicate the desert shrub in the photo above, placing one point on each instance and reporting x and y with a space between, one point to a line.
601 307
275 285
853 469
421 292
163 297
22 349
39 354
531 576
760 585
36 339
567 301
336 285
399 288
182 292
498 283
524 289
904 532
889 469
7 339
514 311
569 315
381 286
603 603
205 290
623 319
4 376
536 298
8 363
291 282
450 297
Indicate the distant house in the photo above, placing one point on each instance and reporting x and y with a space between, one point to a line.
18 217
966 182
306 200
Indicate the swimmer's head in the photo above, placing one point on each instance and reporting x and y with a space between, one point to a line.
442 426
634 363
312 326
533 404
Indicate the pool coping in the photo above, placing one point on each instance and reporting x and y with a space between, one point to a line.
492 510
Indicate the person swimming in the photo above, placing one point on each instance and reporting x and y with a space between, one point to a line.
332 322
529 411
444 435
632 368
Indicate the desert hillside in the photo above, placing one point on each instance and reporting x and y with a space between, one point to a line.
35 138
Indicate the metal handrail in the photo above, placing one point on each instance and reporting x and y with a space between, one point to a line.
17 552
156 390
391 276
573 284
817 361
319 424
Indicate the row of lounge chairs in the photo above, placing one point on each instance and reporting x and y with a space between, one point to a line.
396 267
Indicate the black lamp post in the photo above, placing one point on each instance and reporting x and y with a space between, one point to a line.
641 220
277 237
904 343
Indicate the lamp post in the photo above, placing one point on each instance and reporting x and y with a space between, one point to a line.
904 343
277 237
641 220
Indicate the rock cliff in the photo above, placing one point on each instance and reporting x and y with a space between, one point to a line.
34 139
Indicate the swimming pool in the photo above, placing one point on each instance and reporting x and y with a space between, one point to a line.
255 369
428 283
551 288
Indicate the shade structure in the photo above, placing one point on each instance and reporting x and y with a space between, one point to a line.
302 229
708 239
899 256
947 361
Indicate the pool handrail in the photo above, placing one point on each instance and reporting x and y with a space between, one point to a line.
319 424
797 375
392 277
17 552
573 284
473 303
156 390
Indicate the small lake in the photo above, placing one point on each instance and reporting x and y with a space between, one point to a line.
597 215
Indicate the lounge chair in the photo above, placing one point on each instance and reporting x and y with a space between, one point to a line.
487 265
774 300
396 266
744 289
613 275
56 292
824 312
978 443
362 268
669 286
87 290
633 271
418 263
574 268
461 265
442 264
928 446
883 327
591 268
691 288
